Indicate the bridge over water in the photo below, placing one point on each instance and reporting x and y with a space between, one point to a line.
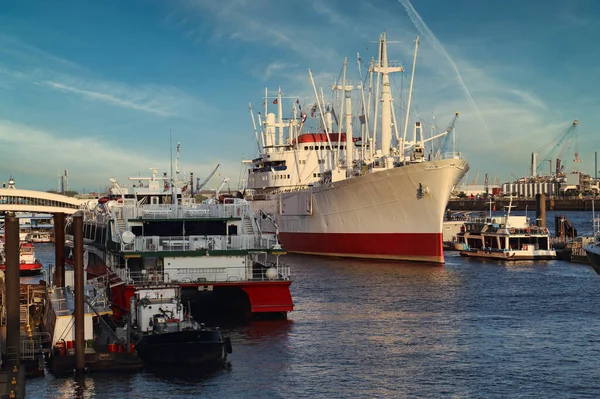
17 200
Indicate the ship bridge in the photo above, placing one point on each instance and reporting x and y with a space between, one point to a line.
17 200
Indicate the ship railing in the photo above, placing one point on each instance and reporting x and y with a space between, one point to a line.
33 344
452 155
267 267
63 302
198 243
205 210
195 275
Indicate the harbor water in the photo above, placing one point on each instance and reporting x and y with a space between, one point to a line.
363 329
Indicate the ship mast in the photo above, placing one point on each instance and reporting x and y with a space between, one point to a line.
386 96
410 89
365 124
346 110
279 117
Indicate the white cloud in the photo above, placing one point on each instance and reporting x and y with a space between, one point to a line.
149 99
22 51
163 101
35 156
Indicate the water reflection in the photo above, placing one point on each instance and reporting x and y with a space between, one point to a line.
186 374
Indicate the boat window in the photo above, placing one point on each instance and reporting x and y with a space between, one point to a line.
305 147
311 147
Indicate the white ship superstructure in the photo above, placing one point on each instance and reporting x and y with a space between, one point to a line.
364 190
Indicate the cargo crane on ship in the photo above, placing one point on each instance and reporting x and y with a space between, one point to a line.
563 143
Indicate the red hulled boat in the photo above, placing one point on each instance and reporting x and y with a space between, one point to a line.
28 264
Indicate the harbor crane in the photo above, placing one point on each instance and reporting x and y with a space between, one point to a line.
199 185
487 185
563 143
450 134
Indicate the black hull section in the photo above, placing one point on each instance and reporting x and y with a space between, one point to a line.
193 347
594 259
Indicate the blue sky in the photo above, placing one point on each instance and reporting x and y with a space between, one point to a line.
96 87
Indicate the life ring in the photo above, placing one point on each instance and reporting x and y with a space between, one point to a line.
545 230
512 230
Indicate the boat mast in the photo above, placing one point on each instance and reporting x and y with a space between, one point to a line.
255 131
386 96
321 112
371 140
410 89
365 124
349 135
346 102
279 117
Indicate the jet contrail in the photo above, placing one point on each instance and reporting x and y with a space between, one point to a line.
428 34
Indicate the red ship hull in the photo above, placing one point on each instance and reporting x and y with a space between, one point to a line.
27 268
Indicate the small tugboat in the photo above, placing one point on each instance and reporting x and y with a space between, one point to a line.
165 334
28 264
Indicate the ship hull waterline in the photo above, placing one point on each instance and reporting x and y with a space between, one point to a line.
393 214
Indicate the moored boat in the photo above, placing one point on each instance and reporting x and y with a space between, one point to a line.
106 348
214 250
28 263
592 250
333 193
165 333
509 238
39 237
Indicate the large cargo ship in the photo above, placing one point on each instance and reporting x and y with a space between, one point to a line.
374 193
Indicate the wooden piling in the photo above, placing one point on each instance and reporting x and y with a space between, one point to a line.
13 289
59 249
540 210
79 288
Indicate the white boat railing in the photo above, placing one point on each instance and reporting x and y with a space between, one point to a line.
198 243
207 275
171 211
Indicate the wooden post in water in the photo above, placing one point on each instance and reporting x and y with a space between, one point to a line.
13 288
540 210
59 249
79 288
